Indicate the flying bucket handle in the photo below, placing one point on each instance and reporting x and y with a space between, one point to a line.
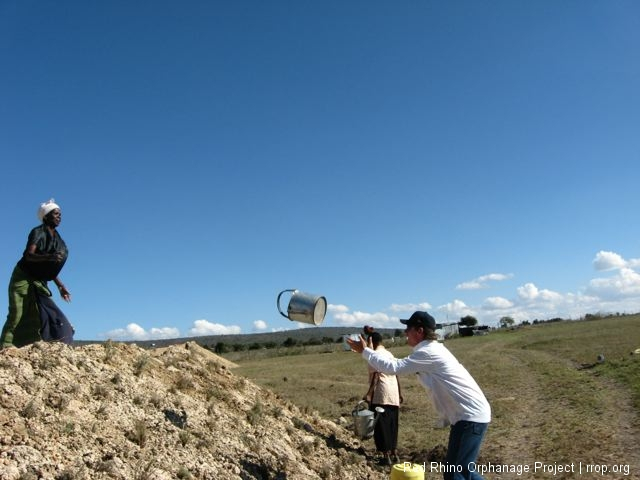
278 301
304 307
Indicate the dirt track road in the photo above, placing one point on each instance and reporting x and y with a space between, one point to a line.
560 420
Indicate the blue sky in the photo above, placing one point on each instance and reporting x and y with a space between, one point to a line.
470 158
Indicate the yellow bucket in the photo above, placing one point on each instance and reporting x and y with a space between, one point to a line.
407 471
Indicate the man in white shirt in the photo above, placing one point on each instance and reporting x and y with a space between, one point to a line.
455 394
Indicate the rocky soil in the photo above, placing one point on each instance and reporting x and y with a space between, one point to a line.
117 411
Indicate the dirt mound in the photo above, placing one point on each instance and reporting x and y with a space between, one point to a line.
117 411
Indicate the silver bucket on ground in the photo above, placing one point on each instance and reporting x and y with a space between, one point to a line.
364 420
304 307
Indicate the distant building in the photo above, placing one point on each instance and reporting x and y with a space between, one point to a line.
445 330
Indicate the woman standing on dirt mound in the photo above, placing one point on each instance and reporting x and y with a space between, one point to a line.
32 314
455 394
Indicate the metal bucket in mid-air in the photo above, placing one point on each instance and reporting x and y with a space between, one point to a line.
304 307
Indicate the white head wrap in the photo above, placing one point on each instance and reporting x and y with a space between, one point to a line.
46 207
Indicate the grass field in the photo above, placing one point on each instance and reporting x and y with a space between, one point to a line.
553 403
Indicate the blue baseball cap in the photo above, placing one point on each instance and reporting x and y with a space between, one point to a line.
420 319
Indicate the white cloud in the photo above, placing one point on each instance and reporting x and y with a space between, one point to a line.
409 307
496 277
205 327
496 303
380 320
301 325
259 325
456 310
626 283
612 261
608 261
530 303
133 331
534 303
166 332
530 293
551 296
333 309
470 285
482 281
342 316
620 292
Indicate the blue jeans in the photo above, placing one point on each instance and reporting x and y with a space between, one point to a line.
464 445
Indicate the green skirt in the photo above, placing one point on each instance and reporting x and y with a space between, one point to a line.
23 323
